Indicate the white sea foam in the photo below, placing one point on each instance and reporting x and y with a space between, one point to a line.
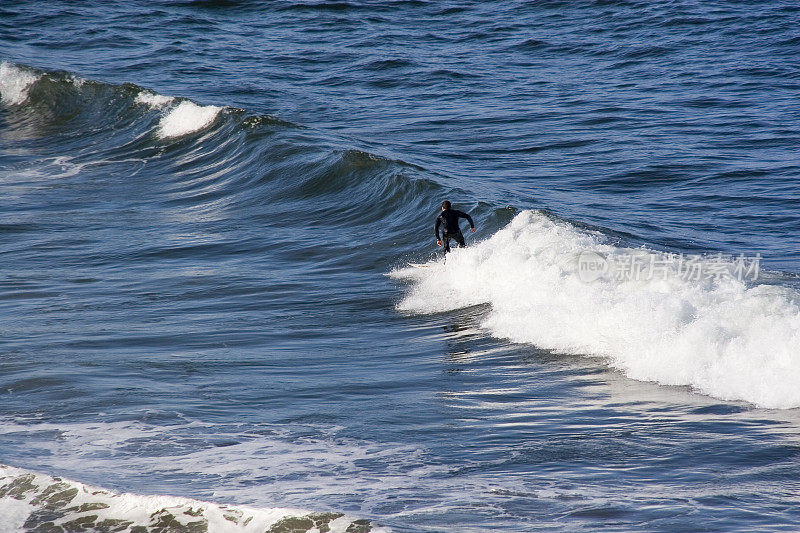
13 512
78 82
718 335
187 117
260 466
154 100
15 83
30 500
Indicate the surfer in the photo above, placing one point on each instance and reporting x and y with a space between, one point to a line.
448 218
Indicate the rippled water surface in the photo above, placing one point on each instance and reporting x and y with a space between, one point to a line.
209 208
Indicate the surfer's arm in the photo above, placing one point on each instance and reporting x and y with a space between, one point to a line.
469 219
436 228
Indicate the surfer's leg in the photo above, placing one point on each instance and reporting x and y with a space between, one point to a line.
459 238
446 243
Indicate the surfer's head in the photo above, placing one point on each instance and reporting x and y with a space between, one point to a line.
445 205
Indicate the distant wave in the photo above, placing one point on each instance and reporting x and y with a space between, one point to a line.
32 502
134 119
179 117
721 336
218 156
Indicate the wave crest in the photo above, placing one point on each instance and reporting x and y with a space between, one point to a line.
187 117
15 83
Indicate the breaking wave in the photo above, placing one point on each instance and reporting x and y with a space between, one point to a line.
721 336
724 336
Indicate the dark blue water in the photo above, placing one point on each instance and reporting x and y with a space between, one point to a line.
208 208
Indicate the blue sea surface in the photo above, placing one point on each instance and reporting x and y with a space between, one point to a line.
208 212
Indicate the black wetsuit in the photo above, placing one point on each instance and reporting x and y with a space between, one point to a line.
450 230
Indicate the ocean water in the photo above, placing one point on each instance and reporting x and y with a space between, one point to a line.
208 316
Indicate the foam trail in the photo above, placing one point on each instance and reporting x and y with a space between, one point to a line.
187 117
716 333
37 502
15 83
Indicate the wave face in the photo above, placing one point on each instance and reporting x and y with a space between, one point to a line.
703 327
201 200
35 502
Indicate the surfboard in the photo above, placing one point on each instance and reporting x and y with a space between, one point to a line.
420 265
